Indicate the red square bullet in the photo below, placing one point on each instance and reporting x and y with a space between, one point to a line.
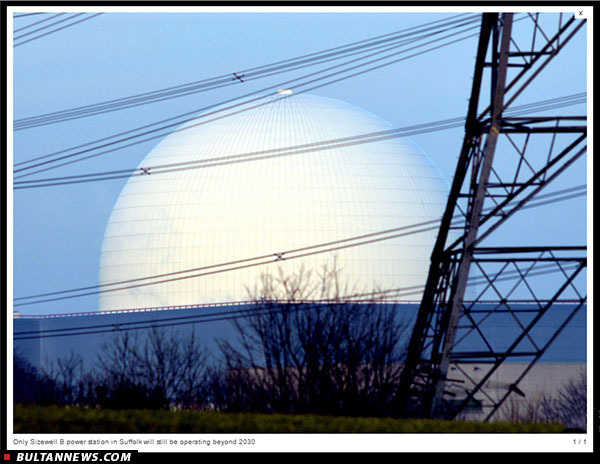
7 457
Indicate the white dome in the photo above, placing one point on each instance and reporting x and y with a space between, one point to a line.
191 218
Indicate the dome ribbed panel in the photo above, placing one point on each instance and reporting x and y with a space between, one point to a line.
192 218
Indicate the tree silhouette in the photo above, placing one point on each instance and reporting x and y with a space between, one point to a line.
307 348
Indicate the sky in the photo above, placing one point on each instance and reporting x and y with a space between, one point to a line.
57 231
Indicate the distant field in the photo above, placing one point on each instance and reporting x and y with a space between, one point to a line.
53 419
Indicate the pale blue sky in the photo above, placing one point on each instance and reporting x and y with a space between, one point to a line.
58 231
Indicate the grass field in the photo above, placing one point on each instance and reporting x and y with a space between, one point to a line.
54 419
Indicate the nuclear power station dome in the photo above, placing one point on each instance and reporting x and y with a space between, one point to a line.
260 186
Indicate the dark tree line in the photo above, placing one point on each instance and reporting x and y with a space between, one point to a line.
164 369
28 385
334 356
330 357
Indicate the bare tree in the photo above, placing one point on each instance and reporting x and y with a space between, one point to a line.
63 376
308 347
29 387
118 384
569 406
194 374
161 369
518 410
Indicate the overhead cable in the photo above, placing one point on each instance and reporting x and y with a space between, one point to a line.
274 257
376 43
256 308
283 151
22 42
256 97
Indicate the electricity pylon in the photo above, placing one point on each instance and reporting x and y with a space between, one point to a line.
489 188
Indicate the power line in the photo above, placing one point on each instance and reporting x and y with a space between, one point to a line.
187 119
240 264
244 157
540 106
201 88
177 123
375 295
336 242
249 74
264 259
581 190
54 30
48 25
22 15
38 22
286 151
287 83
259 308
548 202
186 89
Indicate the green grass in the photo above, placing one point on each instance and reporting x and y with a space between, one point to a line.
54 419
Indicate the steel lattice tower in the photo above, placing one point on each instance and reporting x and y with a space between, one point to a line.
485 195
